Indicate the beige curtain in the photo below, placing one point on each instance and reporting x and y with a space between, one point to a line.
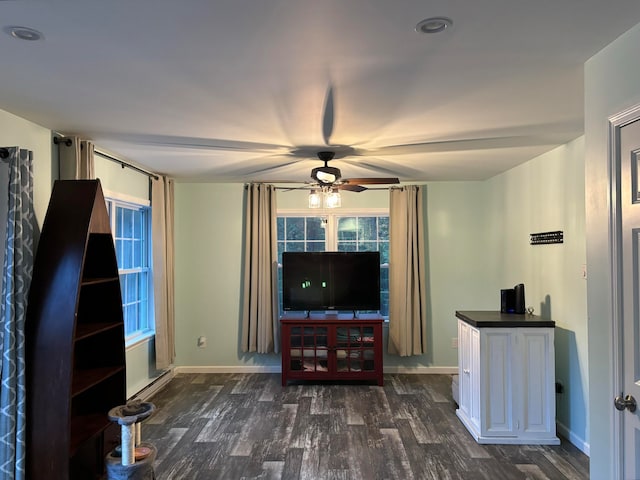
76 159
163 272
407 292
260 323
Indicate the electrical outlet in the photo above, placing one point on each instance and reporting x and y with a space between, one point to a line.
202 341
454 342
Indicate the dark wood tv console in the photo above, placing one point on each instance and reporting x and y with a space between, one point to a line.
331 347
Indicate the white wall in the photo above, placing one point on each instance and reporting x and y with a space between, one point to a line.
611 86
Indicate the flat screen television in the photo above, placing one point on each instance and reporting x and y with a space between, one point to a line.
330 281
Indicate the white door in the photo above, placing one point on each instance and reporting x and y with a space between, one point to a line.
629 267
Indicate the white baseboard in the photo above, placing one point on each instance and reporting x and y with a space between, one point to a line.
229 369
578 442
154 387
421 370
278 369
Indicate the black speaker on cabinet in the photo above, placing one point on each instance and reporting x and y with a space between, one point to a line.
519 298
507 300
512 299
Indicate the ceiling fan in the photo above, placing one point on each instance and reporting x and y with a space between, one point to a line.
377 159
327 176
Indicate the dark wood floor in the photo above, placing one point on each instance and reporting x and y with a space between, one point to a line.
246 426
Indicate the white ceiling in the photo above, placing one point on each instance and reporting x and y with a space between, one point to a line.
236 90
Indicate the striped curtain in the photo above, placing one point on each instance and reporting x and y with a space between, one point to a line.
16 279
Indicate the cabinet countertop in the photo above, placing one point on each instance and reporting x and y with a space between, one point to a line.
493 319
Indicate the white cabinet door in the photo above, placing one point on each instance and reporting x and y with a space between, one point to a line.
538 382
464 366
497 381
475 369
469 374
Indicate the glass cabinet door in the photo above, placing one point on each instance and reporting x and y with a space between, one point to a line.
354 349
309 349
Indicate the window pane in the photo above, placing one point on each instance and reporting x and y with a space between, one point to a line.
138 254
367 246
295 246
314 229
347 228
132 287
383 228
123 283
118 247
384 291
295 228
280 228
127 254
347 246
127 223
119 220
383 247
367 228
280 250
315 246
143 291
137 224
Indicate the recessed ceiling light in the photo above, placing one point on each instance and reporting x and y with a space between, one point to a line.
23 33
434 25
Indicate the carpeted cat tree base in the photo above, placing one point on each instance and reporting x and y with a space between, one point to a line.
140 470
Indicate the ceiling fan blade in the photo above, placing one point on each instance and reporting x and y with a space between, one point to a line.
198 143
459 145
371 181
351 188
327 117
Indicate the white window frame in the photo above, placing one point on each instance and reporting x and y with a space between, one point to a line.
331 233
114 199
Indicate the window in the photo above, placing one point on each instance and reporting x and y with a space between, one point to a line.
130 224
341 231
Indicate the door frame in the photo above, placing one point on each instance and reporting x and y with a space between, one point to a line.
616 123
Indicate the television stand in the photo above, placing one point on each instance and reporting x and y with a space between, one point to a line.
331 347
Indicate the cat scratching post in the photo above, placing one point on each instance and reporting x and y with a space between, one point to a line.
135 459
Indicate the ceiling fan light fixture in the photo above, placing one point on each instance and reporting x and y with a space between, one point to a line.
434 25
325 175
332 199
315 199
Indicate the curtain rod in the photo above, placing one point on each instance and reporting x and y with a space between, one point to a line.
124 164
68 142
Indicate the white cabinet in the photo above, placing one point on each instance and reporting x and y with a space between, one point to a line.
507 380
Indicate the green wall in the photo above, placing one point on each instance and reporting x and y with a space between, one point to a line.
547 194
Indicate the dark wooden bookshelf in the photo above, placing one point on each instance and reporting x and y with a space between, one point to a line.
75 338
